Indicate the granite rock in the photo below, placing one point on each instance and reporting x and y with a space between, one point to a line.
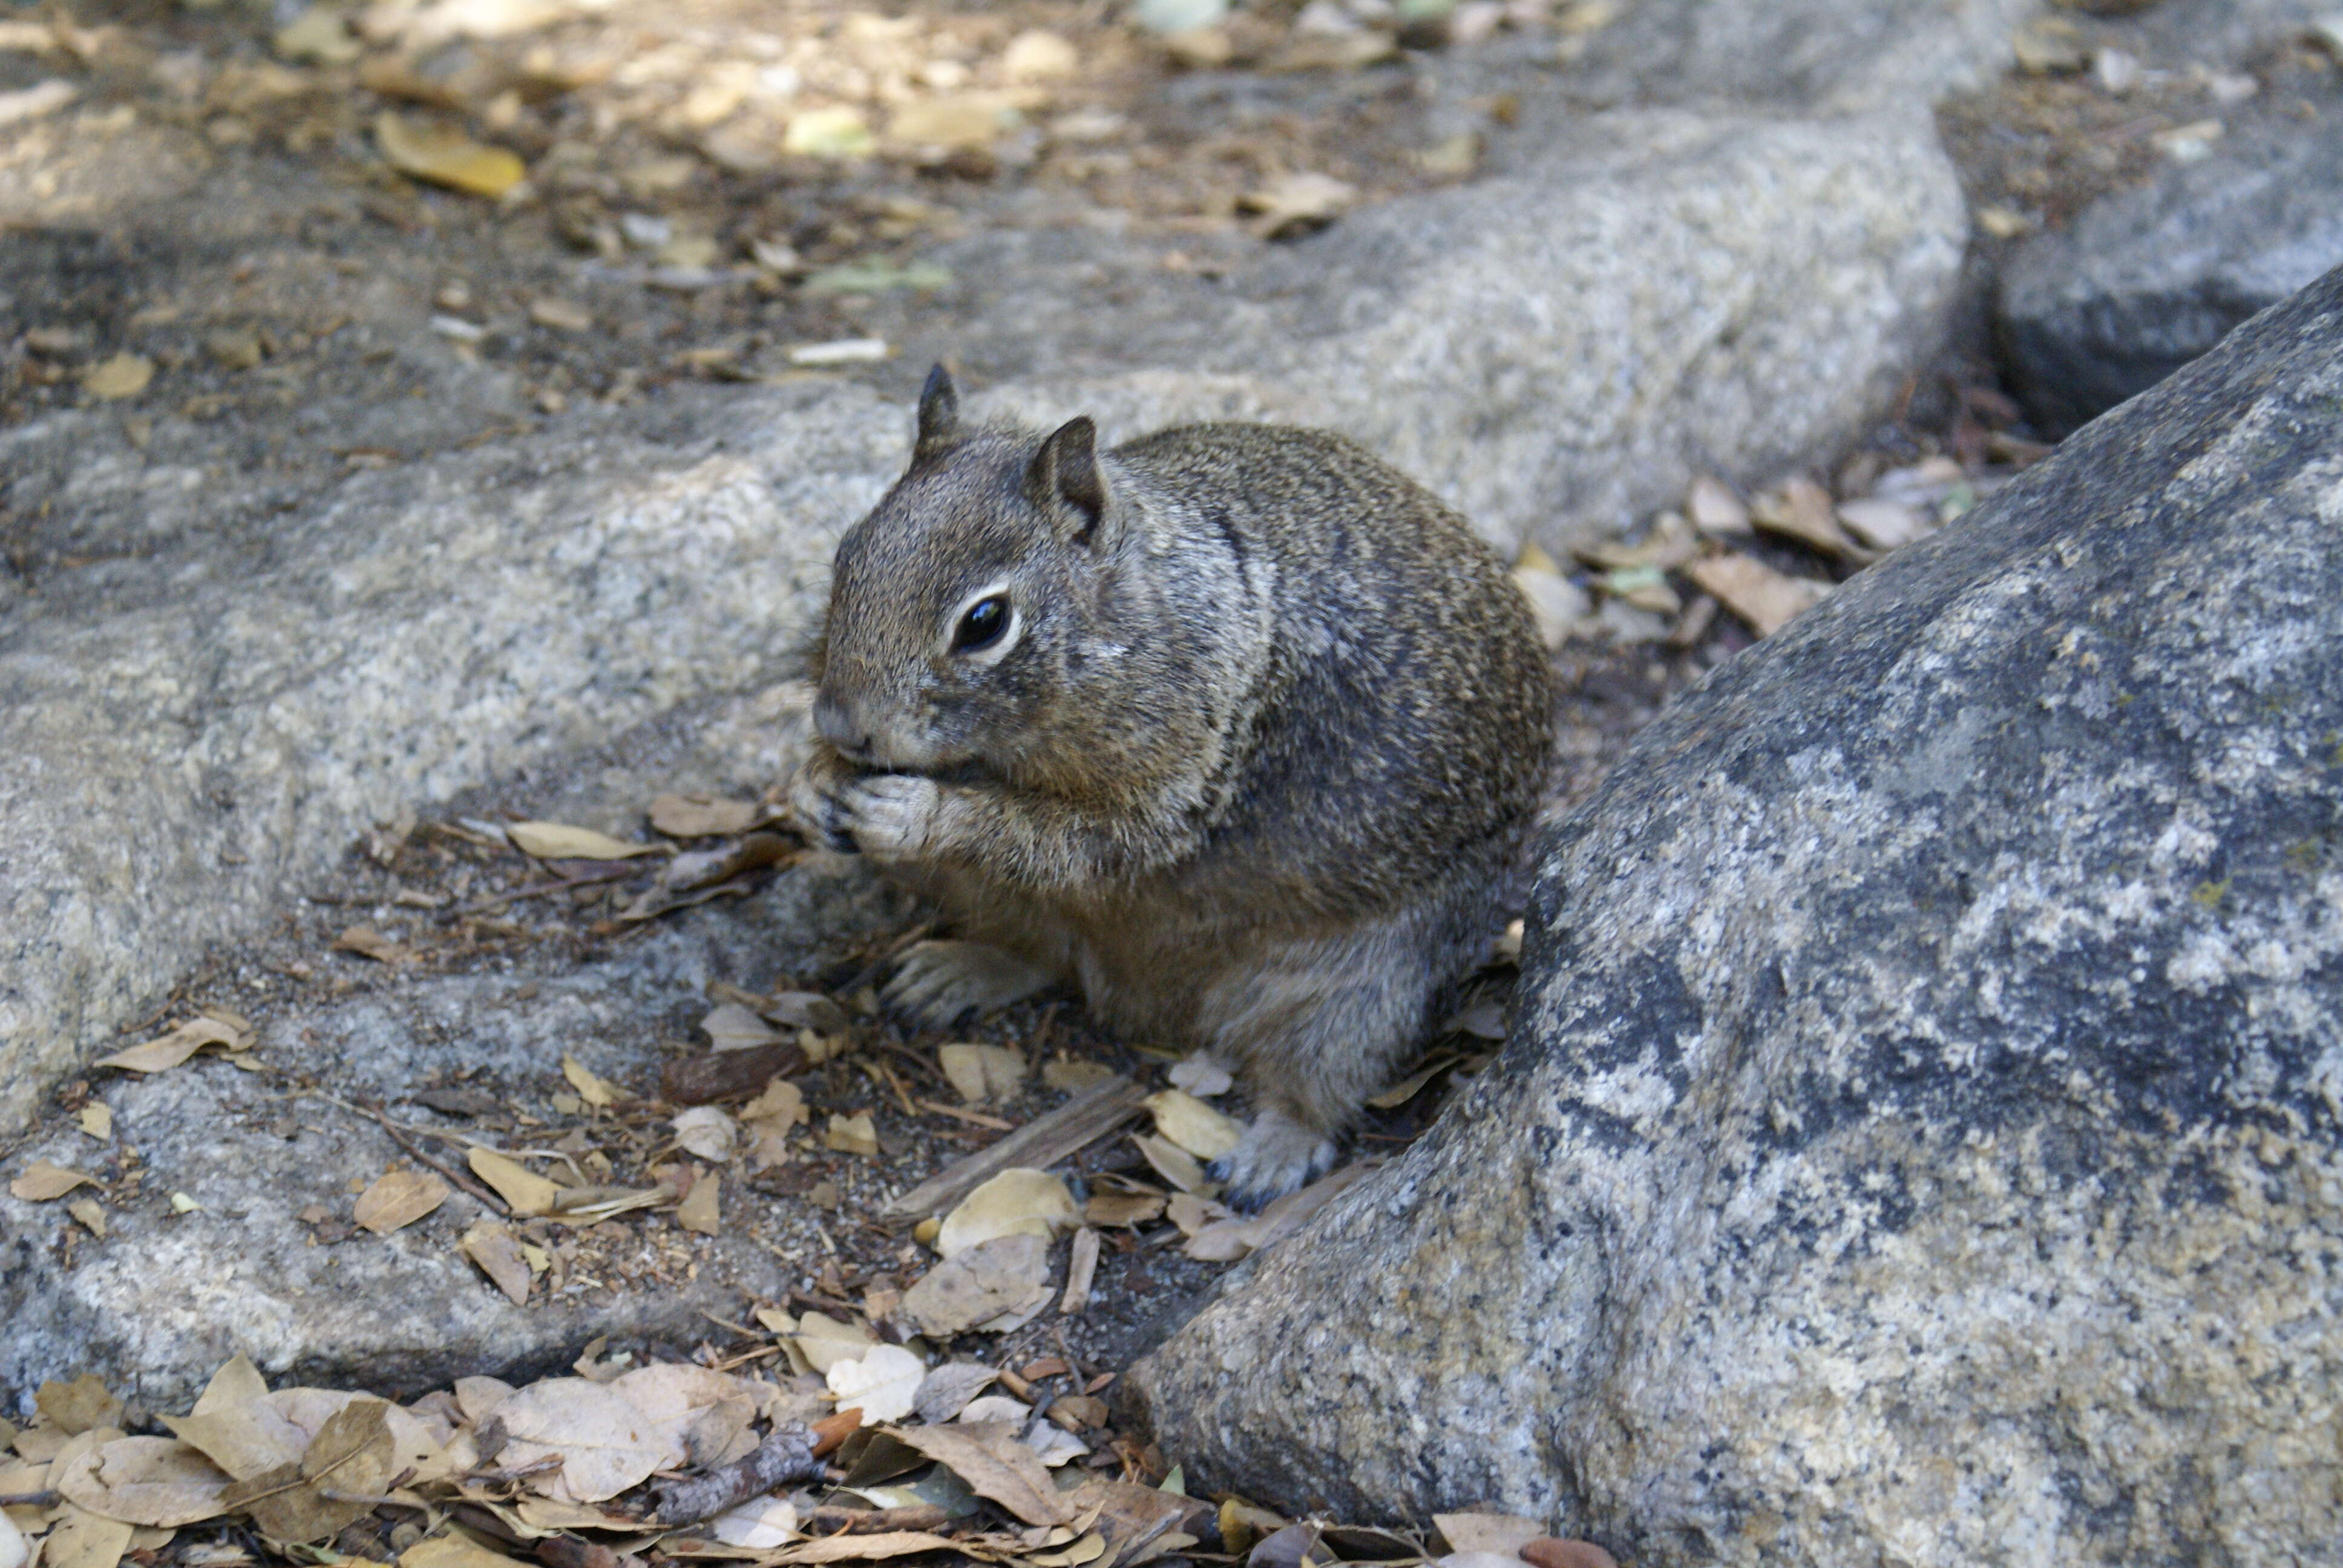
1919 1137
2145 280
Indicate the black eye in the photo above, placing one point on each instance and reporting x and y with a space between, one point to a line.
981 627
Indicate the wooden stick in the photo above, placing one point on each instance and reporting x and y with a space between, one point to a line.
730 1074
1074 1126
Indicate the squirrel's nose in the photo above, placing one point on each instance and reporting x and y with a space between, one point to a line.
838 726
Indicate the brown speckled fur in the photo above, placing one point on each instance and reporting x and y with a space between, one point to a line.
1252 770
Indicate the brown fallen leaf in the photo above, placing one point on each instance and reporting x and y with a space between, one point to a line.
852 1134
91 1214
698 1211
849 1548
166 1051
157 1481
496 1251
594 1090
1498 1534
1194 1125
123 376
561 842
701 816
453 1550
369 943
606 1443
1297 203
529 1193
982 1073
42 1182
1113 1211
80 1539
982 1284
1801 510
1556 1551
84 1405
237 1383
1015 1202
1755 592
399 1198
352 1456
445 157
97 1119
996 1466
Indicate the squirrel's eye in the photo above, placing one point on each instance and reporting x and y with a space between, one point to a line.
981 627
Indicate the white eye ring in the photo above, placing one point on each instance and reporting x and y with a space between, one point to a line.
991 652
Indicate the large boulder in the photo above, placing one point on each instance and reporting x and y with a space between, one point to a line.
2147 280
1919 1137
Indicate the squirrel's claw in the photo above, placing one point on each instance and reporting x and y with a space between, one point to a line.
814 803
1276 1156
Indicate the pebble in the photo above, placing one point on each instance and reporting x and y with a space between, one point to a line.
1165 18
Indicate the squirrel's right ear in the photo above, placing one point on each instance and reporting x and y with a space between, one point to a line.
939 415
1064 481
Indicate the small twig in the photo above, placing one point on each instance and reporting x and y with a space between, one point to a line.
870 1521
495 901
29 1499
785 1456
958 1113
551 1462
883 959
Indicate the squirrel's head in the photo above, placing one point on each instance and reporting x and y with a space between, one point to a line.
960 609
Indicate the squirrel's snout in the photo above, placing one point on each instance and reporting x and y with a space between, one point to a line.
840 725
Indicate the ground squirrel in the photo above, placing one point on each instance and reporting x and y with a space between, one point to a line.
1235 726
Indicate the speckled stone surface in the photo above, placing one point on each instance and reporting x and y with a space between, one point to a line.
1920 1140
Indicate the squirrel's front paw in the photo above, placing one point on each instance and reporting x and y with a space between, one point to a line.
816 800
889 816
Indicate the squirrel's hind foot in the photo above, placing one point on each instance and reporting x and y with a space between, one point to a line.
1277 1155
941 982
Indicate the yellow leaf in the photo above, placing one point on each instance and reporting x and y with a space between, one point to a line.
42 1182
594 1091
1194 1125
168 1050
98 1119
445 157
559 841
1015 1202
529 1193
399 1198
123 376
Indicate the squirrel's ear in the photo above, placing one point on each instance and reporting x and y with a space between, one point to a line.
939 415
1065 482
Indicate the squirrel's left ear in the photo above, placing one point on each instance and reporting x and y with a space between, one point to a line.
1065 482
938 416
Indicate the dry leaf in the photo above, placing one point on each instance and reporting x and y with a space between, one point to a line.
84 1405
1173 1163
1559 1551
453 1550
698 1211
699 816
449 158
1715 509
168 1050
732 1026
882 1383
1191 1213
982 1073
697 1412
996 1466
399 1198
1501 1534
353 1453
1113 1211
1802 511
157 1481
707 1131
97 1119
596 1091
607 1444
1883 525
780 1103
497 1251
1082 1267
761 1525
123 376
81 1539
946 1392
851 1134
42 1182
237 1383
563 315
951 120
1194 1125
529 1193
91 1215
478 1397
824 1341
1295 204
1018 1202
13 1551
1201 1076
844 1548
993 1280
368 942
1070 1077
559 841
1755 592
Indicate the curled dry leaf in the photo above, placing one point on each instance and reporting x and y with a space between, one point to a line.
1755 592
448 158
399 1198
982 1073
529 1193
168 1050
732 1026
699 816
882 1383
157 1481
559 841
91 1214
996 1466
1194 1125
42 1182
594 1089
1015 1202
496 1251
1173 1163
605 1442
707 1131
